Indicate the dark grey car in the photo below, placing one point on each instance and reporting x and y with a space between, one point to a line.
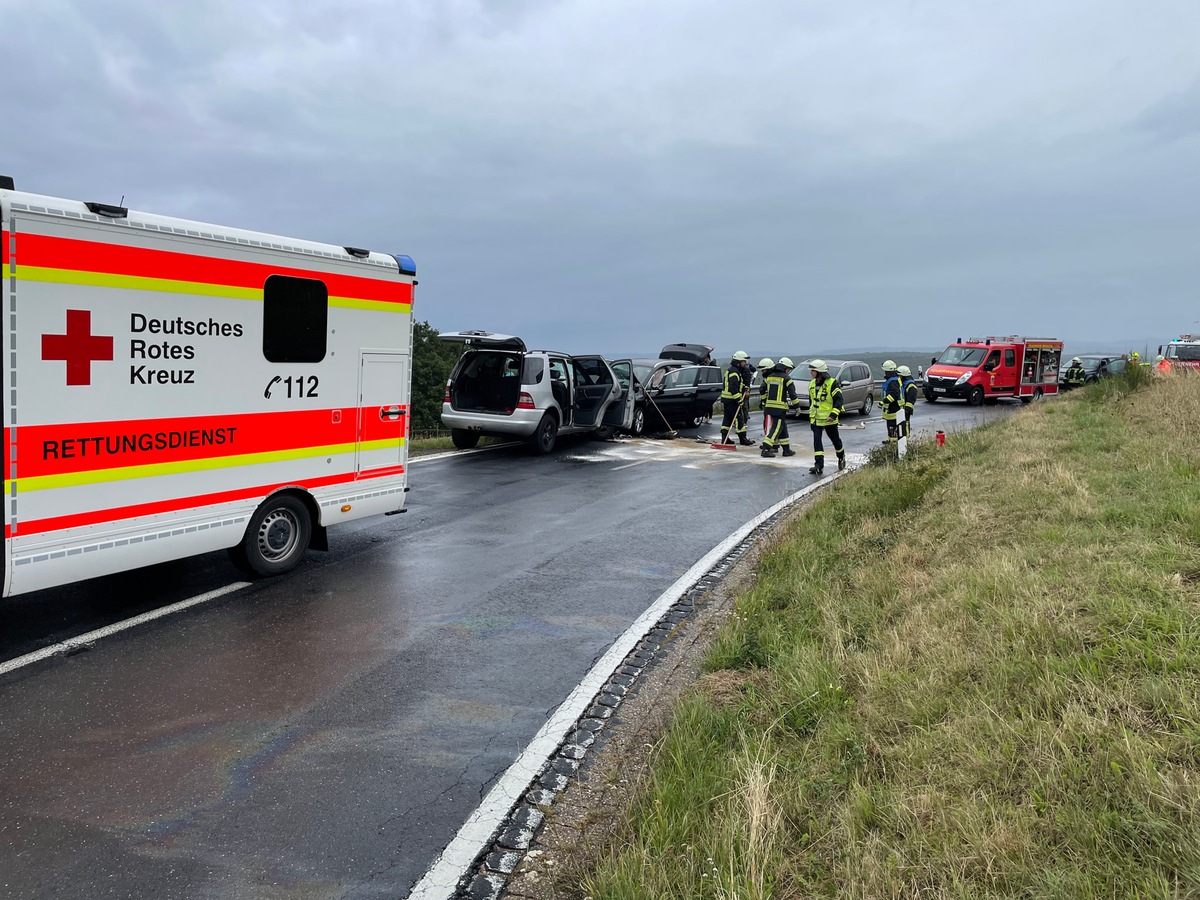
668 393
1096 366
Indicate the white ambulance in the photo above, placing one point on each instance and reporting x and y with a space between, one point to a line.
172 388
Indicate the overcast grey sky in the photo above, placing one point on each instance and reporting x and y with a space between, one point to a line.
611 175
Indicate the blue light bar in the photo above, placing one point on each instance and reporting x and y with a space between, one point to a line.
407 266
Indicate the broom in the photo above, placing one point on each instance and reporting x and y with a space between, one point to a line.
671 432
721 445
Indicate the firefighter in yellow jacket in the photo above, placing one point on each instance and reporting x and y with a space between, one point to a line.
824 412
909 388
1076 375
778 395
891 401
735 399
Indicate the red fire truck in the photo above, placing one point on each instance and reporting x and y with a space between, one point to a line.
1183 352
978 369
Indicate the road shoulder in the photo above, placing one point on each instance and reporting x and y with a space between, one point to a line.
579 827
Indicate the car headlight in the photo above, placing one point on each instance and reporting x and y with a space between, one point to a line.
963 378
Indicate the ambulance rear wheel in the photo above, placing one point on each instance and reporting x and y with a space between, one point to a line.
976 398
276 538
463 439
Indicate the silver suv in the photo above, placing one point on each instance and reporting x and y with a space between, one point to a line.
500 388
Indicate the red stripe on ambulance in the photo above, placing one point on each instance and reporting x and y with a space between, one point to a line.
72 254
64 449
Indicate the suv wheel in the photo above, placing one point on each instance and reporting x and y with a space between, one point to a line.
639 422
547 433
463 439
868 404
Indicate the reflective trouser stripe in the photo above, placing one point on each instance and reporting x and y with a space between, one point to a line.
777 433
818 445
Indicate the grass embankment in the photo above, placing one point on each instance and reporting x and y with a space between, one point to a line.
424 443
972 674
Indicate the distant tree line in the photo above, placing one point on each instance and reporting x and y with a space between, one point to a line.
432 361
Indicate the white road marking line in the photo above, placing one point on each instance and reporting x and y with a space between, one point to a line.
631 465
109 630
477 833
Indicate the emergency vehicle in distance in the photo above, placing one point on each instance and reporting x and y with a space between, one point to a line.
1183 351
173 388
980 369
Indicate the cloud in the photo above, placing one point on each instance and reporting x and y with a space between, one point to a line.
617 175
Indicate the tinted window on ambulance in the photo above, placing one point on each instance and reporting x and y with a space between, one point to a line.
295 319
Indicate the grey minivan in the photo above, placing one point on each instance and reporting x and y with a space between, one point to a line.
858 385
500 388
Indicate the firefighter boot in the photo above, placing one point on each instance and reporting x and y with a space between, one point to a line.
767 451
815 470
788 451
745 441
724 436
841 461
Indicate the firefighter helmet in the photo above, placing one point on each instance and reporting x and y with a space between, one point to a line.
786 363
819 365
766 363
1074 360
889 366
905 371
741 354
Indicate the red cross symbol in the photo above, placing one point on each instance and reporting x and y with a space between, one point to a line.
79 347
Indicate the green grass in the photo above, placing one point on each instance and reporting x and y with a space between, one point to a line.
974 673
424 443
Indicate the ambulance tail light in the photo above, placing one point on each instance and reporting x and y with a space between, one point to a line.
525 402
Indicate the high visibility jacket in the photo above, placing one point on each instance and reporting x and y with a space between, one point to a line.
735 384
778 390
1164 367
910 397
824 401
1075 376
893 397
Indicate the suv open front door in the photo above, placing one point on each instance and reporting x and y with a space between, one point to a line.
595 389
620 413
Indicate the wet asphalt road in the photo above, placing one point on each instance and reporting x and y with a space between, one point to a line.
325 734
